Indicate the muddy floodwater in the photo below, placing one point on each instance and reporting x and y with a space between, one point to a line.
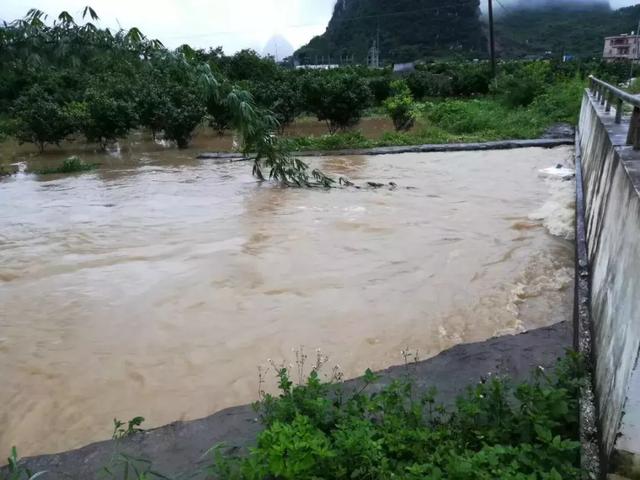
157 284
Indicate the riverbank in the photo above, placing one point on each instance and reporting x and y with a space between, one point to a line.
425 148
182 446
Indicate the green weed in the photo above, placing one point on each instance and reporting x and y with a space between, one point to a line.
15 471
133 426
70 165
496 430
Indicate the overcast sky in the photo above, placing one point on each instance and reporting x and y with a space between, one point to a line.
233 24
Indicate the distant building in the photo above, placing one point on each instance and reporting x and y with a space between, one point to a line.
404 68
622 47
317 67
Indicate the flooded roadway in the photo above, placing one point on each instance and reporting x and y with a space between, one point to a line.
157 284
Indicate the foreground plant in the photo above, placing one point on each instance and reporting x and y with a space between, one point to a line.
15 471
497 430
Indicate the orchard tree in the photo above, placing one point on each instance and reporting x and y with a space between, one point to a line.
40 119
280 96
107 115
336 97
218 109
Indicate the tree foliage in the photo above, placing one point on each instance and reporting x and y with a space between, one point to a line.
40 119
401 107
339 99
108 83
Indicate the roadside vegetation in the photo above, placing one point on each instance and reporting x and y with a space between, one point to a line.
324 429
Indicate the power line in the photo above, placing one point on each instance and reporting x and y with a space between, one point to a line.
503 7
492 41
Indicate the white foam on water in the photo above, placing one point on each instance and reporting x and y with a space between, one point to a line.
558 213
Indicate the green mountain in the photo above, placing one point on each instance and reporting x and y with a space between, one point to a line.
406 29
422 29
577 29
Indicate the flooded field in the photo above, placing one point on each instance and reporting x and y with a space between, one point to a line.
157 284
204 140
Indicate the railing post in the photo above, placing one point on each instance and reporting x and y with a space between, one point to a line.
619 105
607 102
633 138
603 96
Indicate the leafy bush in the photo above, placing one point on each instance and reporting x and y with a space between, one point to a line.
40 119
182 114
561 102
281 97
426 84
105 116
380 87
497 430
519 89
338 98
400 107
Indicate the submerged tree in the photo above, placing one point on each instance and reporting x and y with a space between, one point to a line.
337 98
40 119
110 83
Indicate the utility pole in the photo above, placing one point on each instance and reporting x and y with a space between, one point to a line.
635 54
492 41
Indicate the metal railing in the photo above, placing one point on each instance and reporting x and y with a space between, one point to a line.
608 95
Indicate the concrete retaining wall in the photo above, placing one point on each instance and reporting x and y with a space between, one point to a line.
611 180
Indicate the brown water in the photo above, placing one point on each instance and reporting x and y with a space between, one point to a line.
157 284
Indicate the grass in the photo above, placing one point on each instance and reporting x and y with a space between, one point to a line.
467 120
70 165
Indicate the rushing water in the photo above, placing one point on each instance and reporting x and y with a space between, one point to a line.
157 284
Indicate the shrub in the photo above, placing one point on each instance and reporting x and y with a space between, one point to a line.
281 97
497 430
106 116
380 87
519 89
40 119
182 114
338 98
560 102
470 79
400 107
425 84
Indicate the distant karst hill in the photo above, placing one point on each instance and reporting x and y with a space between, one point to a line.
278 47
425 29
407 29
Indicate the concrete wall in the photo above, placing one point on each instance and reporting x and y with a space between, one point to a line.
611 172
